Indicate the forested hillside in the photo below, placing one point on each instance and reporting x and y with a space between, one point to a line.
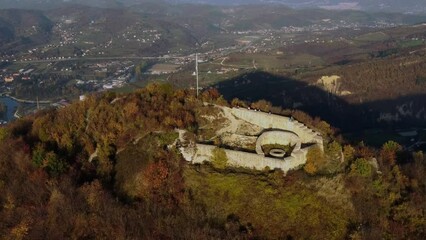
19 28
109 166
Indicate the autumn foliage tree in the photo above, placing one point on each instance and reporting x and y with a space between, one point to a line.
262 105
388 153
315 160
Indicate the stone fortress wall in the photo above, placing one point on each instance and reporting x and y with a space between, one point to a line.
272 121
252 160
277 129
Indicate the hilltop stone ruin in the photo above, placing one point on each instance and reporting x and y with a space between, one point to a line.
252 139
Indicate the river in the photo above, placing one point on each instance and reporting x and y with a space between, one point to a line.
11 106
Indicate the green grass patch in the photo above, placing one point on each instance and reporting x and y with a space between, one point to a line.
411 43
273 210
373 37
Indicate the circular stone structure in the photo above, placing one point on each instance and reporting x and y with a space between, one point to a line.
276 152
277 137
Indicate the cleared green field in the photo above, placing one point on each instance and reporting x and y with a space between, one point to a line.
269 62
373 37
209 74
411 43
303 60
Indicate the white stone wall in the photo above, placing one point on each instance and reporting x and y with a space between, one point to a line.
266 121
251 160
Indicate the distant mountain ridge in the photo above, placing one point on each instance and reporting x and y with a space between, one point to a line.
192 22
406 6
47 4
181 25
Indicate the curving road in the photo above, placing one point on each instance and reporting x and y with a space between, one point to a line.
97 58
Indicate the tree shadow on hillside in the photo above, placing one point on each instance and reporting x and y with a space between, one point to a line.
295 94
